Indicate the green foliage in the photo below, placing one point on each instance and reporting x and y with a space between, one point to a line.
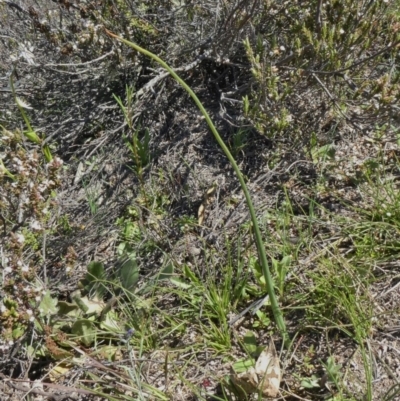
239 141
87 319
321 153
332 370
281 268
30 133
48 305
92 197
319 72
85 331
129 273
257 234
251 348
133 229
139 147
324 53
93 283
28 177
311 382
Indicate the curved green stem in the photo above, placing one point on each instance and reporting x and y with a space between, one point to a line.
260 246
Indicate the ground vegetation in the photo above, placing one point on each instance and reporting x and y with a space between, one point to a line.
129 266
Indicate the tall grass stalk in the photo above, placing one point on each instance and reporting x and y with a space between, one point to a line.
257 233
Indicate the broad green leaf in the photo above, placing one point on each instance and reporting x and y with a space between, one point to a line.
89 305
67 309
250 343
95 304
243 365
94 278
110 323
129 273
48 306
166 272
82 306
95 271
85 330
18 331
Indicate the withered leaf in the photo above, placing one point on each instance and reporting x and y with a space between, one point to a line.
206 198
265 377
